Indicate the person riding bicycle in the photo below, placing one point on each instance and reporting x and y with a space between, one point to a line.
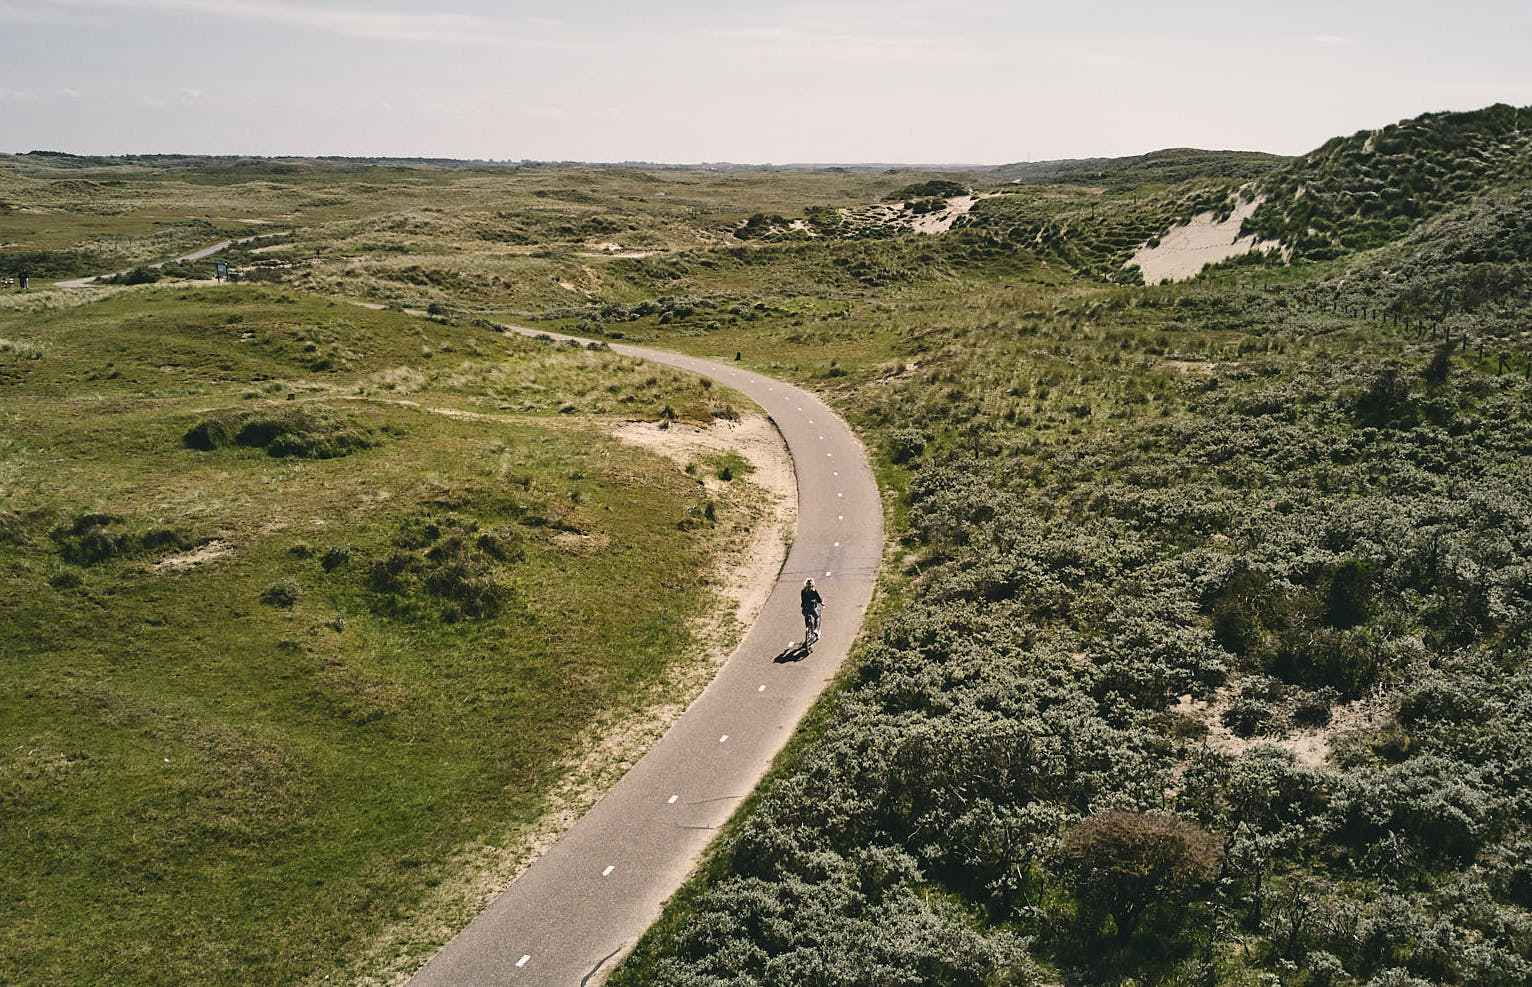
813 606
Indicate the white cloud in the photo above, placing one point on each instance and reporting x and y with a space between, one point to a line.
36 98
836 43
1331 39
353 22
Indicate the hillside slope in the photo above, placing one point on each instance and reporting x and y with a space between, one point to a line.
1365 190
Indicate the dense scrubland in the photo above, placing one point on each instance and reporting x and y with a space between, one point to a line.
1202 657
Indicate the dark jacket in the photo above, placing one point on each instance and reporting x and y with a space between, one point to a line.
811 600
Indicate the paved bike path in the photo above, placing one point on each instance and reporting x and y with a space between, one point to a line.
576 910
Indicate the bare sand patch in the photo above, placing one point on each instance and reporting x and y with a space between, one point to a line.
197 556
1185 250
609 249
1309 746
752 566
942 220
1188 366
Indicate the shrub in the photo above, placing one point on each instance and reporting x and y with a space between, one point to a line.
1124 861
282 593
95 537
1348 594
1323 657
1247 717
334 557
298 432
1245 606
463 574
12 530
449 558
1386 401
160 537
1313 709
89 539
138 275
906 444
395 573
212 433
502 544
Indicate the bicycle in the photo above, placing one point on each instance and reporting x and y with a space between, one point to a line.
811 620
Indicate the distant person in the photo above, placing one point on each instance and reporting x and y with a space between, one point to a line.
21 281
813 607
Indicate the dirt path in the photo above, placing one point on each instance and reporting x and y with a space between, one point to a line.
194 255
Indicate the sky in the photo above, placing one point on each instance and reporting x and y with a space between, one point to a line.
764 81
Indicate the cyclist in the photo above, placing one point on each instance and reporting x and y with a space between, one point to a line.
813 606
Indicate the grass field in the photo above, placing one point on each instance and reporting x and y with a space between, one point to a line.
258 697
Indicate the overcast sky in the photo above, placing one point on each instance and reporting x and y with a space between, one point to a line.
976 81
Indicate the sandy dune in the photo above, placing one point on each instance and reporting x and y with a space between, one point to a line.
1184 251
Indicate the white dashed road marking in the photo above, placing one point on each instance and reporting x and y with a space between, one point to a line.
672 800
609 869
763 688
723 738
523 961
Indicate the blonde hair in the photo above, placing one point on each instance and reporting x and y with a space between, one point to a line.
809 583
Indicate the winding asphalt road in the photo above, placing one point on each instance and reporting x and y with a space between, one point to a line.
585 902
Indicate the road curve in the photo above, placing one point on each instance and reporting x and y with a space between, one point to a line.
585 902
194 255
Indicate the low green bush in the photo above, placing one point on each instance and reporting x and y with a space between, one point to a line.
304 433
283 593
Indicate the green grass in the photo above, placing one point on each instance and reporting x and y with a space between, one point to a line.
236 771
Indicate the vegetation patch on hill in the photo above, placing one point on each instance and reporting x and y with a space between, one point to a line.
306 432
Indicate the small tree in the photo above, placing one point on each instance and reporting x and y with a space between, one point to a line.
1123 861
